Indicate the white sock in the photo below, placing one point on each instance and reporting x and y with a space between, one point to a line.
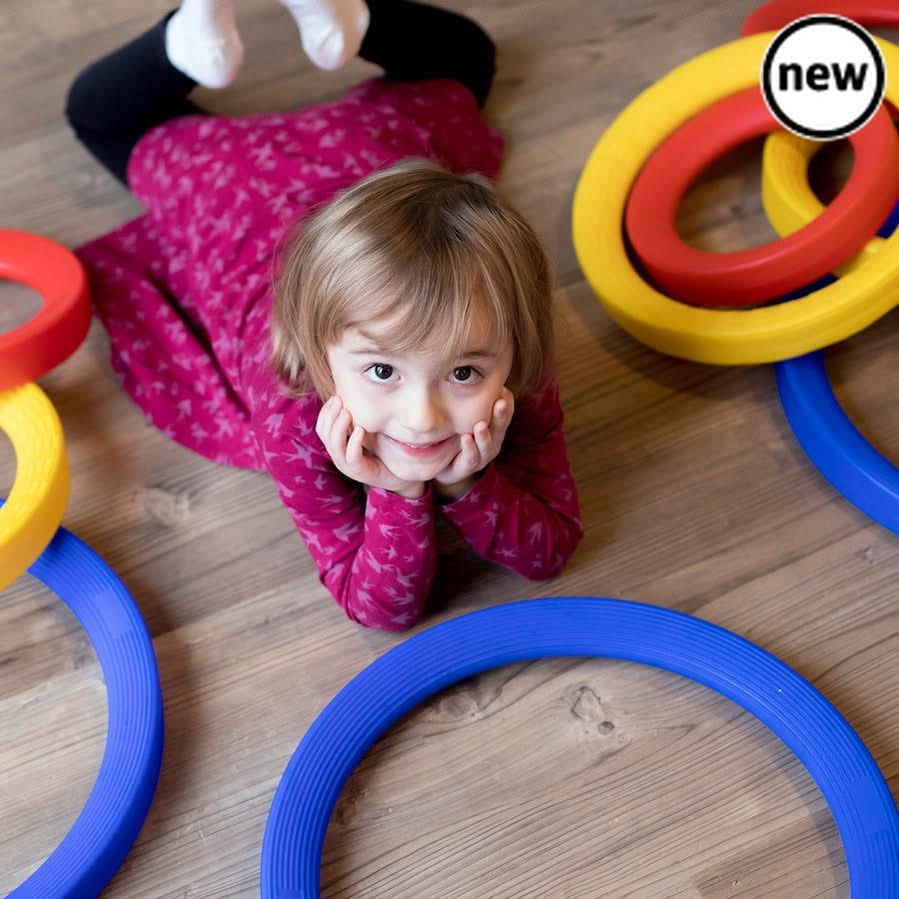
331 30
201 40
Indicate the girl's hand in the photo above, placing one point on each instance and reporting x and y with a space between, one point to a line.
478 449
344 445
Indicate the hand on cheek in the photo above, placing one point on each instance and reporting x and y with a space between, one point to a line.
477 450
344 442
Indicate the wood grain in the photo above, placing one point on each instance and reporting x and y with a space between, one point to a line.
564 777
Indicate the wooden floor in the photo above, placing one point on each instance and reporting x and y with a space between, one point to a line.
563 778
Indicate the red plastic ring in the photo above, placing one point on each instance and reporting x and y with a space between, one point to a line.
51 336
778 13
762 273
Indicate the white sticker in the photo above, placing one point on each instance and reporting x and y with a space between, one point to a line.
823 77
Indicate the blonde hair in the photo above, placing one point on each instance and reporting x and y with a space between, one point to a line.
419 243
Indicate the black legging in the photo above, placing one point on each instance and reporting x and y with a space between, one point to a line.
117 99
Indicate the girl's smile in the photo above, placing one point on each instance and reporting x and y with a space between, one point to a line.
419 450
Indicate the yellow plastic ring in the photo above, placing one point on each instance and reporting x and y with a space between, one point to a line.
787 197
37 501
720 337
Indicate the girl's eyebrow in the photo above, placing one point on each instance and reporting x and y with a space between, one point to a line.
478 354
371 351
385 351
376 348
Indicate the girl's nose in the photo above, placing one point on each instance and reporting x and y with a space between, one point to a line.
423 415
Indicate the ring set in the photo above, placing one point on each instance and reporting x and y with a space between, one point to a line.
833 272
720 336
854 788
40 492
32 540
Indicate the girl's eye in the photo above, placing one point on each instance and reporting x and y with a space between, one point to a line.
465 374
381 372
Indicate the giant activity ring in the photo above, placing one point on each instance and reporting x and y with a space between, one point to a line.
40 492
788 199
779 13
102 835
765 272
723 337
863 808
43 342
833 444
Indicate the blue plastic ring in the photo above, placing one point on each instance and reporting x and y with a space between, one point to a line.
890 225
834 445
102 835
847 775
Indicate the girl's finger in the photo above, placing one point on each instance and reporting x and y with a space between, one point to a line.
336 437
503 414
326 417
354 447
336 450
468 461
502 425
343 424
503 407
482 436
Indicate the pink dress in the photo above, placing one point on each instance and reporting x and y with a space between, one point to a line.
185 291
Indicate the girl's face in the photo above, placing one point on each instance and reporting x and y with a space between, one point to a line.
414 408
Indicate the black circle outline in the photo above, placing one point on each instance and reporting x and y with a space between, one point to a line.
879 67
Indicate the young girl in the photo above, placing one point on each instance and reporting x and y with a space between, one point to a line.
386 361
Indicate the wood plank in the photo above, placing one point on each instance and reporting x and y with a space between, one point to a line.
564 777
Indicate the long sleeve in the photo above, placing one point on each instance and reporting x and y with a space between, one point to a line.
523 512
376 553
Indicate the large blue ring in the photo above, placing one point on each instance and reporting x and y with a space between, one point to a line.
834 445
102 835
890 225
859 798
